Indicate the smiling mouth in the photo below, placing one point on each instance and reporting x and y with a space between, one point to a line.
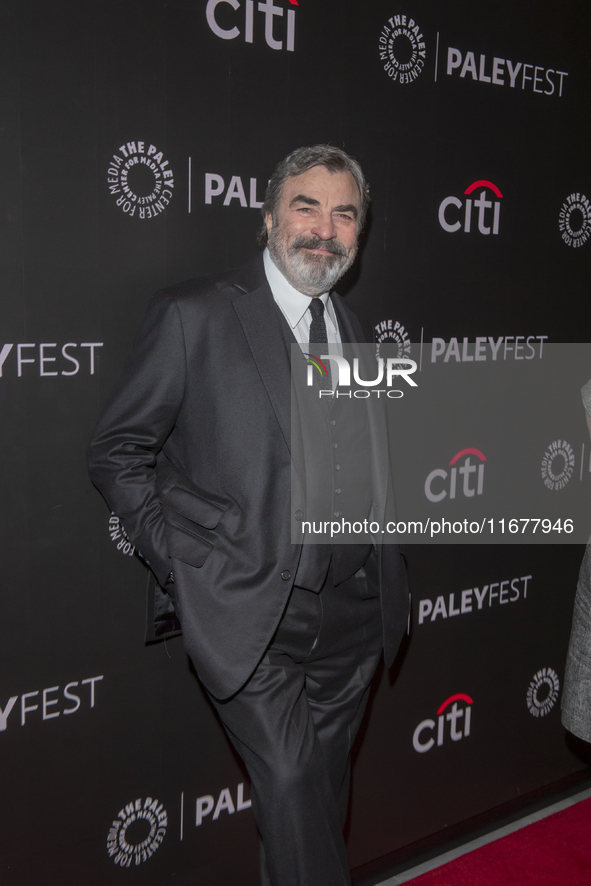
317 254
318 247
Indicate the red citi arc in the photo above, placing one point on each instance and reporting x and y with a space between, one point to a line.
480 203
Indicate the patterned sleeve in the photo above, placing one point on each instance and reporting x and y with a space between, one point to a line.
586 393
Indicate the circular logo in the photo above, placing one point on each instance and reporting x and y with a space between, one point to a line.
575 220
402 49
392 332
137 832
140 180
558 464
119 536
543 692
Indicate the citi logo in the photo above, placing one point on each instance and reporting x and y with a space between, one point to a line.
423 738
451 221
466 470
219 20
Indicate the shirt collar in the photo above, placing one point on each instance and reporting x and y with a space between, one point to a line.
292 302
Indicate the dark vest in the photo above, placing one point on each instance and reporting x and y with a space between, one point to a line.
330 446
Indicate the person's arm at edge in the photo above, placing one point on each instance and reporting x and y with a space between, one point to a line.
586 394
136 422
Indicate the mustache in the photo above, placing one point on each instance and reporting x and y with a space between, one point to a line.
305 242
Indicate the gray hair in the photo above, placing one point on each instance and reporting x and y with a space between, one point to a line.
298 162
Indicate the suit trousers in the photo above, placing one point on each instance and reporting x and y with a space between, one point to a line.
294 723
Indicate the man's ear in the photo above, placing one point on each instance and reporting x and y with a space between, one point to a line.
269 222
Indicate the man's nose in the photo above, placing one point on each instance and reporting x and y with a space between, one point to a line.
324 227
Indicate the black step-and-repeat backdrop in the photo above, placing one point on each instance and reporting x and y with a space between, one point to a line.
136 141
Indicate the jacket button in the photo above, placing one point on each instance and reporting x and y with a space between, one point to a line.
286 575
299 515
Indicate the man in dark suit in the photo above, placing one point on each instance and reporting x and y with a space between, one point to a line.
193 454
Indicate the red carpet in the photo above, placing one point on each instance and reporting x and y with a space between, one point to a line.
553 852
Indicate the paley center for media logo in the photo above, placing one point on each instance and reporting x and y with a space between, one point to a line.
558 465
458 719
402 48
468 473
574 220
389 370
487 223
140 827
392 332
542 692
137 832
140 180
244 24
119 536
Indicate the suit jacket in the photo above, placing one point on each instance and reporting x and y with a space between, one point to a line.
192 452
576 695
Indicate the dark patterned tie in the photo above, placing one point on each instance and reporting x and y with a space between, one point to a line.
318 338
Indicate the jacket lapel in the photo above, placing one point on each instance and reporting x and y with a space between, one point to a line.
352 333
261 322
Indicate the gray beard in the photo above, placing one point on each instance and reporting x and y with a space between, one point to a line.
310 273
